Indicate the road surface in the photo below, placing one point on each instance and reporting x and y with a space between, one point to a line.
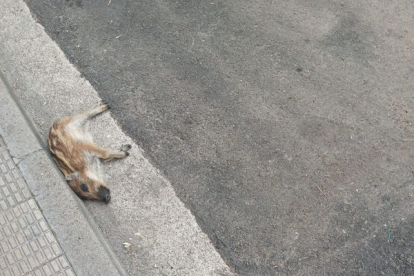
285 126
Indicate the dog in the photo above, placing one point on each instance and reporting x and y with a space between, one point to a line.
78 158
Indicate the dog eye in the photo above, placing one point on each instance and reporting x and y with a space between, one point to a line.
84 188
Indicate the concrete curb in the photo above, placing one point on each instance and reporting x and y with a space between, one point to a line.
72 224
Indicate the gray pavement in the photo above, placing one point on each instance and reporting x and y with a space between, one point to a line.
144 211
27 245
285 126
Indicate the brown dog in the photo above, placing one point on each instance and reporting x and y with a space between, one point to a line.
73 150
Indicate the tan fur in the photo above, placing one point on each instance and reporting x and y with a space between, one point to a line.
73 150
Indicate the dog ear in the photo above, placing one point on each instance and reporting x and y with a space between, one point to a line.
72 176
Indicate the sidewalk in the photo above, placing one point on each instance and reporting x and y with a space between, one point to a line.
27 246
44 228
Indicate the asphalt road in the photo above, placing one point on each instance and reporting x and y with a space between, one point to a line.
285 126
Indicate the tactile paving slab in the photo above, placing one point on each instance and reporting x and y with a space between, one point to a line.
27 245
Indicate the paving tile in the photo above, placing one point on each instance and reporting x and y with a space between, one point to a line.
27 246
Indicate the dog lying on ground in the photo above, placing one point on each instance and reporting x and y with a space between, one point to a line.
76 155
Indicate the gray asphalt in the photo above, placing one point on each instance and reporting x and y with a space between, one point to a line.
285 126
